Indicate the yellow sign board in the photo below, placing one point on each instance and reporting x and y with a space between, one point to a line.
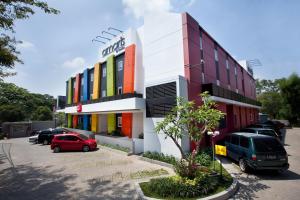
220 150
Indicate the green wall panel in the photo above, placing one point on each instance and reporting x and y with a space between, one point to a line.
69 121
111 122
69 91
110 80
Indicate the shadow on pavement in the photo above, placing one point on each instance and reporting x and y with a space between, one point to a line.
27 182
273 175
248 186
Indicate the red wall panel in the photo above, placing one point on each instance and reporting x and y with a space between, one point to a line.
75 121
127 124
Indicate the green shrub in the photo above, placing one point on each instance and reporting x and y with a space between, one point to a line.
204 159
178 187
160 157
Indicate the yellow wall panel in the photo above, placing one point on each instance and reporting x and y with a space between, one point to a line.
96 85
94 125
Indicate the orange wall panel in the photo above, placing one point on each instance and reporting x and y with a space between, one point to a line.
127 124
77 86
75 121
129 66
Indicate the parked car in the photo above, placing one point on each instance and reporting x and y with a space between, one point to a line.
268 126
72 142
45 137
255 151
262 131
34 139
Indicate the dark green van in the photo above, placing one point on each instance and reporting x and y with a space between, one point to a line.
256 151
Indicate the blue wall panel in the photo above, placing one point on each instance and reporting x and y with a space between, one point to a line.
86 121
86 89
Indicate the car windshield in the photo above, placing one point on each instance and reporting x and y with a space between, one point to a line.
267 132
83 137
267 145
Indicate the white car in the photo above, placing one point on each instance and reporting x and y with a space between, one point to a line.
33 139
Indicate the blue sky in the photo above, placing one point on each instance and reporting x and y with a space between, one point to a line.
58 46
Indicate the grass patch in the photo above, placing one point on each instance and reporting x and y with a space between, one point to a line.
117 147
160 157
148 173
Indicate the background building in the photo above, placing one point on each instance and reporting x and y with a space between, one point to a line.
141 72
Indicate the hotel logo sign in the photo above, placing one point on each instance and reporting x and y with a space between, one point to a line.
116 47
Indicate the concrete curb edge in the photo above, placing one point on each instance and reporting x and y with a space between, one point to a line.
156 162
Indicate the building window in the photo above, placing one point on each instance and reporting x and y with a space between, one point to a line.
119 121
103 93
120 91
201 47
216 55
228 71
202 77
217 70
120 65
104 72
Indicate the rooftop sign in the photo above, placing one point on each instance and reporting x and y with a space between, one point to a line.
116 47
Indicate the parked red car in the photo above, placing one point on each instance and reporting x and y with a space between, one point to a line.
72 142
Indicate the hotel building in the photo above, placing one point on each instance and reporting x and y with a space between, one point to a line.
142 71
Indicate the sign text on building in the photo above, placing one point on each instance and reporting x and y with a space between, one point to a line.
116 47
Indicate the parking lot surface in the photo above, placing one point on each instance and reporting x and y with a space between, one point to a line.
269 185
32 171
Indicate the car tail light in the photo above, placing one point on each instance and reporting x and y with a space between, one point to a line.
253 157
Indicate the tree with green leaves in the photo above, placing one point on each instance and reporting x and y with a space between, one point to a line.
290 92
11 113
42 113
195 121
10 11
272 103
15 96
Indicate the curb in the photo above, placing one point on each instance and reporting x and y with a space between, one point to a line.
156 162
115 150
219 196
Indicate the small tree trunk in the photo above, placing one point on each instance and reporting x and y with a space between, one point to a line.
179 147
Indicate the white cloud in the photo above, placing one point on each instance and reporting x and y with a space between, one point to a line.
25 45
139 7
75 63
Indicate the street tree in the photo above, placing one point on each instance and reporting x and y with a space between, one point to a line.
195 121
42 113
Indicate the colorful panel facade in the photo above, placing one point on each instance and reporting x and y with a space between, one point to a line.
86 120
96 86
129 66
69 91
69 121
75 121
77 89
86 90
127 124
111 122
94 125
110 76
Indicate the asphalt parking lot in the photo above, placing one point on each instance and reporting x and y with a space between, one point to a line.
269 185
32 171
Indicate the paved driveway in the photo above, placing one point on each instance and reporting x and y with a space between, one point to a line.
267 185
33 172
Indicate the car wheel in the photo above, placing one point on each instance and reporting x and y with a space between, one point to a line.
243 165
85 148
45 142
56 149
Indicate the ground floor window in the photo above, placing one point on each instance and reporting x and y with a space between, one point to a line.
119 121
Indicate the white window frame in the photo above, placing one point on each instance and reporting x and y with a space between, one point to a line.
218 82
120 88
103 93
104 72
119 122
122 65
203 77
201 43
227 64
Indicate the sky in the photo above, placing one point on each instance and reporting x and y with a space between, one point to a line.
56 47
